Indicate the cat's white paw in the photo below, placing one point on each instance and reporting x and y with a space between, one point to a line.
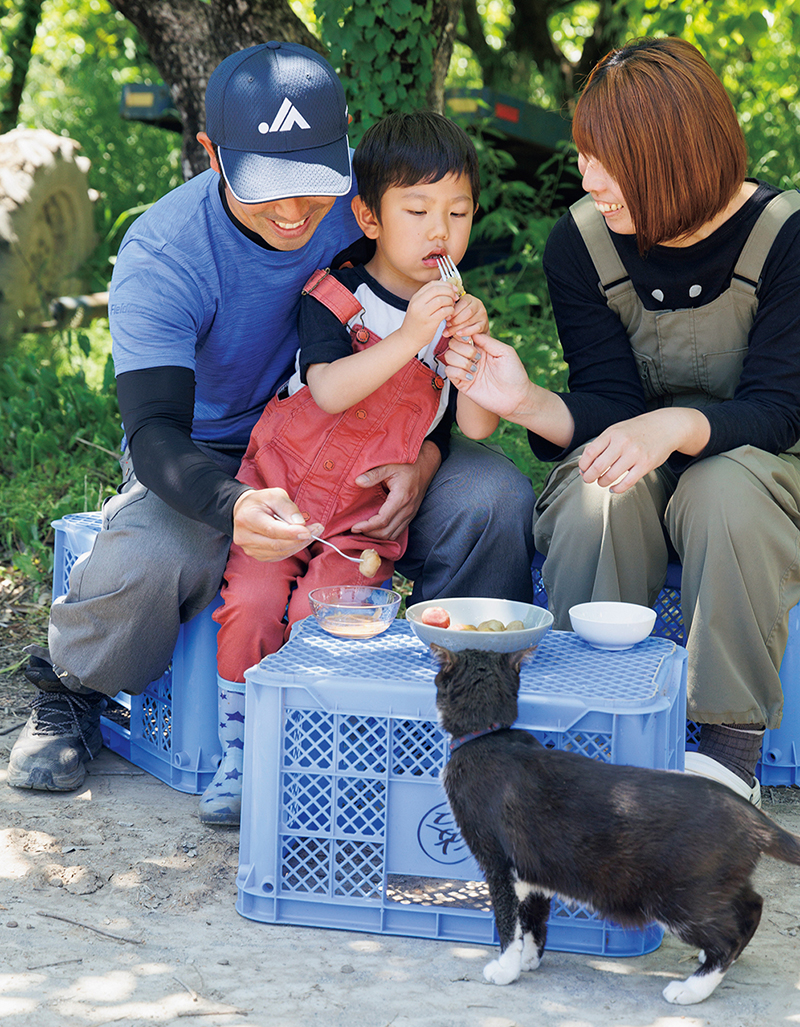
507 967
677 993
693 989
530 953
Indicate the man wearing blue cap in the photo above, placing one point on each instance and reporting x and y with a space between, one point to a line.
202 309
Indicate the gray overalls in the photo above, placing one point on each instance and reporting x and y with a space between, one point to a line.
733 519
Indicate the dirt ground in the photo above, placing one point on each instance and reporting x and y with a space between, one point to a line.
117 907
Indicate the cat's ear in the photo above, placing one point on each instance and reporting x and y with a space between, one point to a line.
515 660
444 657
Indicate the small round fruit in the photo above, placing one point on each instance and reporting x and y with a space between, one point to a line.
369 564
436 617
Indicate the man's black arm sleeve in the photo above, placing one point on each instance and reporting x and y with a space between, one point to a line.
157 406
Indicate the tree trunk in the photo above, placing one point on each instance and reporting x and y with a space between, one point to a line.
529 40
444 24
489 59
188 38
530 37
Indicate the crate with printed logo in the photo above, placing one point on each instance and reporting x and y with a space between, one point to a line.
344 821
170 730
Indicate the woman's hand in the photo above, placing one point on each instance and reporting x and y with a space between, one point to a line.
490 373
625 452
268 526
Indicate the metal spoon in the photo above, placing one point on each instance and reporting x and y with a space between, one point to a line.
318 538
354 560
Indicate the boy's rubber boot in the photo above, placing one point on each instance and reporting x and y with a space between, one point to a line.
62 732
221 802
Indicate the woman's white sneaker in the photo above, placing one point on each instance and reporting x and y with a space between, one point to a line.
703 766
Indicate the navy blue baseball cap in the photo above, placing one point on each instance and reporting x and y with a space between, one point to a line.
278 117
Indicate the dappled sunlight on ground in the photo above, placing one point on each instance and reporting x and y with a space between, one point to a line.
13 863
117 907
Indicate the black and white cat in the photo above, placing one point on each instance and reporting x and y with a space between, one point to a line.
635 845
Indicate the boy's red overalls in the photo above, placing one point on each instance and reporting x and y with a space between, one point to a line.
316 457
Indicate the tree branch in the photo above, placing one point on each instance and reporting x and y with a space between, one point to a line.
473 37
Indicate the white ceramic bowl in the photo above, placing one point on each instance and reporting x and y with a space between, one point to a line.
612 625
474 611
354 611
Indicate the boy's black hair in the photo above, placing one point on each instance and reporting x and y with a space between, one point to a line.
408 147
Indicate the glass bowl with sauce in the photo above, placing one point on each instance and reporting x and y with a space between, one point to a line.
354 611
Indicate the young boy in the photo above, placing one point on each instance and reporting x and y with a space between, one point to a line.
368 389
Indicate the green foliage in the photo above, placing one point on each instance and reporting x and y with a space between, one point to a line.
752 47
60 428
753 50
382 50
84 53
513 289
18 30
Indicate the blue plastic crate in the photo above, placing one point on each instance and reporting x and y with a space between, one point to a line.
344 821
780 752
170 730
74 538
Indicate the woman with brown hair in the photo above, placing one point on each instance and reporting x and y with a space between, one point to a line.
676 290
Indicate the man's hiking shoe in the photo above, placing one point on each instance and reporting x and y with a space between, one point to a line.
62 733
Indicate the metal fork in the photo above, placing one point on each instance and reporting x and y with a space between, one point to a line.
450 273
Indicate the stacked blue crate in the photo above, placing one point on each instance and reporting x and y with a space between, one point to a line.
780 753
170 730
344 821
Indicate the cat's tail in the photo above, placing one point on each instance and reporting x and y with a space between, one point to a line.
782 845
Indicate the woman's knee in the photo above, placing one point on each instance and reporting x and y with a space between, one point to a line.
589 513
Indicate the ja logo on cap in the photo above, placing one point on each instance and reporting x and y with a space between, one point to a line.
285 120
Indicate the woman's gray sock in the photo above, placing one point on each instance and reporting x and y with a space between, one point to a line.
734 746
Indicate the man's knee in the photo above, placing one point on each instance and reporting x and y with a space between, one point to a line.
477 478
